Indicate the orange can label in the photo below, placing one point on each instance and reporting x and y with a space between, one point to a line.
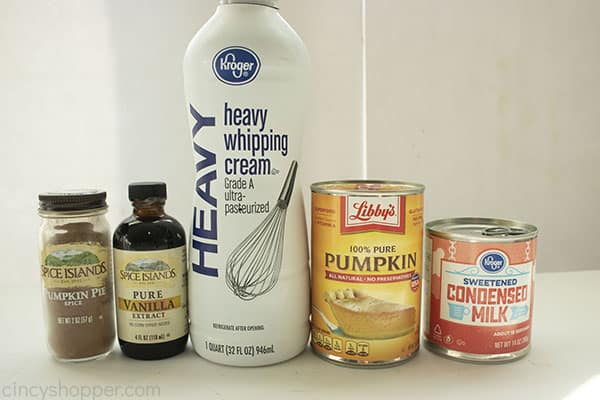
366 275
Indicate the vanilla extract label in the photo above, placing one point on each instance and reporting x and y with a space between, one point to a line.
151 295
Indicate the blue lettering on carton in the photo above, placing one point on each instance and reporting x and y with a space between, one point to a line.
205 220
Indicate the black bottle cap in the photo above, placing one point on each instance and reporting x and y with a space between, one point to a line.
72 200
145 190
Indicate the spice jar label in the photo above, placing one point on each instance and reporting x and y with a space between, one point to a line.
74 265
151 295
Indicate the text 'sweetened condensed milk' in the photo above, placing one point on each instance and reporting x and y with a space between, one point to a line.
479 292
367 239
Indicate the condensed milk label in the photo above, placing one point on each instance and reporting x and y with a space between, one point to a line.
366 269
480 295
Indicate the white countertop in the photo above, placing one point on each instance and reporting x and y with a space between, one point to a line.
564 362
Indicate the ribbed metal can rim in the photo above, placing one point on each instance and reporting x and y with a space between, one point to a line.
367 187
510 230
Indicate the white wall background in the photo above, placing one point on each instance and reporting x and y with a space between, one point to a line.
494 105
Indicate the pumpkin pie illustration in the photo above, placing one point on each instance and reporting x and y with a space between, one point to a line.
362 316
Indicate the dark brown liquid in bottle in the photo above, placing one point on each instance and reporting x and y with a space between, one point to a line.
149 228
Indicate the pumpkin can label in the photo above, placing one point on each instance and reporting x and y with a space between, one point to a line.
367 278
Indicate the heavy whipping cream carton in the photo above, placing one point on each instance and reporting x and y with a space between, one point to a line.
245 80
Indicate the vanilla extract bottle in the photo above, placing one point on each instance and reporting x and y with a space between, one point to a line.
150 277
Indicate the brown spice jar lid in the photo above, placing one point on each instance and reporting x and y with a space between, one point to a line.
72 200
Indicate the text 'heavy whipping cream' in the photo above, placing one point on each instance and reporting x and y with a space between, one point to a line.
245 81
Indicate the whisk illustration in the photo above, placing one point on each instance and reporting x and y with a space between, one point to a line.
253 267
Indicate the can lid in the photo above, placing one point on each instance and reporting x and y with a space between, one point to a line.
367 187
145 190
72 200
475 229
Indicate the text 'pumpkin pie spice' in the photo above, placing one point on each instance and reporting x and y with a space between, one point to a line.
367 239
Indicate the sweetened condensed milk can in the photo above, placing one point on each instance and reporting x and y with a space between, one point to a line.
479 276
367 239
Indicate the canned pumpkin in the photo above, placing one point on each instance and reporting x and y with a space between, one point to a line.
366 271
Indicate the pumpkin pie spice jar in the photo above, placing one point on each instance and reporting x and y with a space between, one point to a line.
366 262
75 269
